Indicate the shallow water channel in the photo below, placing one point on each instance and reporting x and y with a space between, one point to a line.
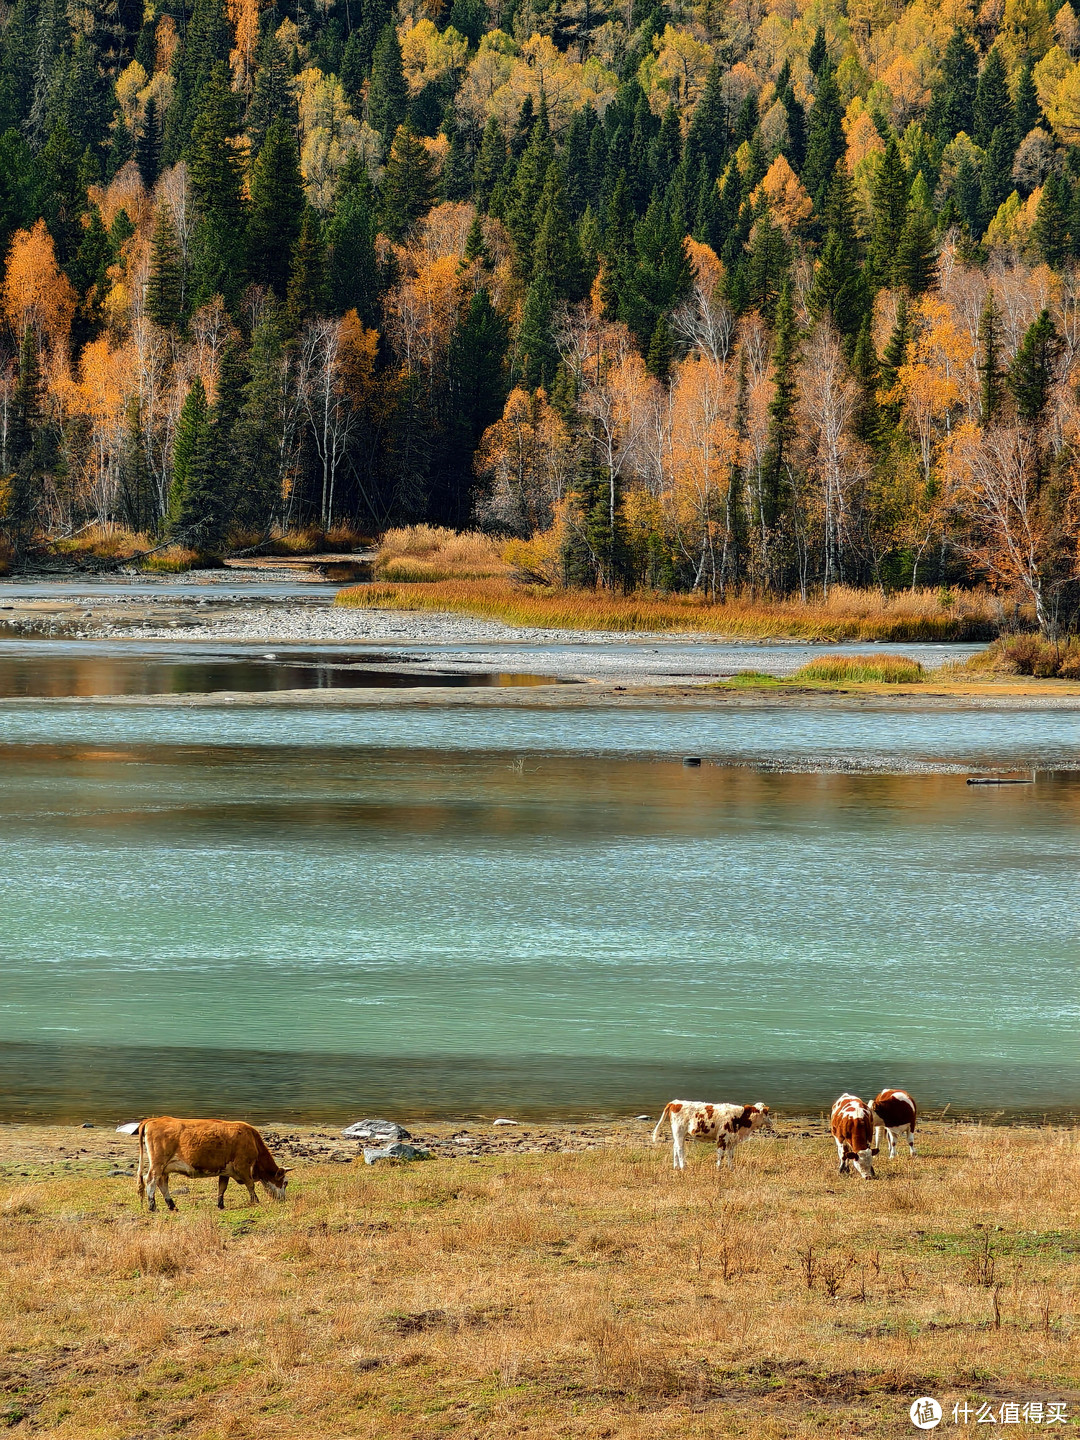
316 915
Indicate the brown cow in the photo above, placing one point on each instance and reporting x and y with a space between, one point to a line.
895 1112
698 1120
852 1125
227 1149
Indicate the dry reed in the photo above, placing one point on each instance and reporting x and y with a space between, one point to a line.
847 614
593 1295
427 553
874 669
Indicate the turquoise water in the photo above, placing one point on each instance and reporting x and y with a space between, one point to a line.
278 913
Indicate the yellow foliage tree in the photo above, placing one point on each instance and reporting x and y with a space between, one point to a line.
788 201
37 293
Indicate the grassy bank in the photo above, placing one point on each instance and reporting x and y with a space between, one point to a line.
846 615
594 1294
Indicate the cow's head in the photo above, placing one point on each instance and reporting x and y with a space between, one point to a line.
864 1163
757 1117
276 1184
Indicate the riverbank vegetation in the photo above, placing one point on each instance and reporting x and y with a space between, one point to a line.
591 1294
846 614
682 298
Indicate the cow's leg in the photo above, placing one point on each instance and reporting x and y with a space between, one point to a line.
222 1186
169 1201
877 1137
892 1143
249 1181
841 1153
678 1141
151 1192
911 1139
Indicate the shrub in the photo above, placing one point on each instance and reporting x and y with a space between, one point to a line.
1030 655
428 553
881 669
175 559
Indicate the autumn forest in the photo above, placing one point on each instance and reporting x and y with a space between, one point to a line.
763 296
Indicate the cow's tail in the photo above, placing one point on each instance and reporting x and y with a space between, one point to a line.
665 1115
143 1148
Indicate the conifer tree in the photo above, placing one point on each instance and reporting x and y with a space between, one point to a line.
1033 368
490 162
148 145
997 182
917 256
205 44
866 421
307 279
536 356
952 104
136 491
273 97
781 432
818 53
890 206
1050 231
556 253
661 275
277 204
23 445
894 357
194 517
840 290
352 267
993 109
525 197
795 149
455 179
825 143
991 373
165 286
408 187
1029 114
218 193
475 392
661 351
707 137
256 487
388 94
766 267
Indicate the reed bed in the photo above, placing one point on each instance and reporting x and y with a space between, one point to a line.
590 1295
427 553
847 614
103 542
1029 655
878 669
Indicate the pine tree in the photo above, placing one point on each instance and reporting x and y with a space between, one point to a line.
136 488
307 279
795 150
1050 231
952 104
766 267
23 445
1029 114
475 394
818 53
62 194
525 198
890 206
352 267
661 351
866 420
555 250
825 143
255 489
217 187
408 187
917 255
273 97
455 180
192 505
894 357
223 425
840 290
277 203
148 145
205 44
707 137
782 427
536 355
490 162
661 275
993 108
165 286
1033 368
991 373
388 94
997 182
966 192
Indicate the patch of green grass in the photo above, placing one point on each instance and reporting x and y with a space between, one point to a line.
876 669
749 680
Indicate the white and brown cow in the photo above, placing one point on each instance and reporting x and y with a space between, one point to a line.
895 1112
699 1120
223 1149
852 1126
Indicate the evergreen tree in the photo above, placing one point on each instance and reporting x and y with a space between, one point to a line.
148 145
826 143
997 182
490 163
991 373
666 152
277 204
707 137
917 256
273 97
840 290
967 191
23 459
795 150
455 180
952 104
165 286
475 394
194 514
1033 368
223 432
993 108
818 53
307 279
388 94
408 187
62 192
895 355
1029 114
661 276
205 45
524 202
556 253
136 486
18 186
782 426
536 355
766 267
890 207
217 187
352 267
256 487
374 16
1050 232
661 351
866 420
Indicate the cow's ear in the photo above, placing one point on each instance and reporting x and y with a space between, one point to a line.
286 1168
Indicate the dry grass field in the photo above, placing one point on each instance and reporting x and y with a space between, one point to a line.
554 1288
847 614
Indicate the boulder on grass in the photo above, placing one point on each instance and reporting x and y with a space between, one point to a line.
397 1151
383 1132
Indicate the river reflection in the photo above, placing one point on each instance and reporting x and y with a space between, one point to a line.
281 931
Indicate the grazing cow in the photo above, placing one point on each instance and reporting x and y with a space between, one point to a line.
697 1120
852 1124
895 1112
226 1149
